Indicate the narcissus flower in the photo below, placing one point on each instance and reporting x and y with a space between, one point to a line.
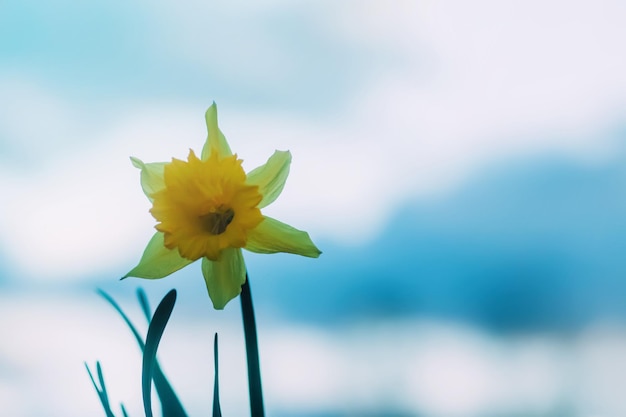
208 208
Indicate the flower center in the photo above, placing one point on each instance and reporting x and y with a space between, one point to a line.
206 206
216 222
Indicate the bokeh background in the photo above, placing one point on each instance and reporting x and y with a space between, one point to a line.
461 164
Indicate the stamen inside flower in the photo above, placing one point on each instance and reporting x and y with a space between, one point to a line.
216 222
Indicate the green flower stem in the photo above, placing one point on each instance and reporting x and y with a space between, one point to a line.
252 352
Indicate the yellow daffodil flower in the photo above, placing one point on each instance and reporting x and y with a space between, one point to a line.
208 208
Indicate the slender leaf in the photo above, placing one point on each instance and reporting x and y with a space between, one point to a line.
252 352
101 391
170 404
124 413
101 380
124 316
155 331
217 411
143 302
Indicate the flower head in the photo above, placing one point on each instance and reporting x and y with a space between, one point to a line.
208 208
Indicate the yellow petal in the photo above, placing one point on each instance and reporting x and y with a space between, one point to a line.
225 277
151 176
215 141
272 236
157 261
271 177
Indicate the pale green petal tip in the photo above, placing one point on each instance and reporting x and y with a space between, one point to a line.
284 154
137 163
271 177
211 116
157 261
306 247
315 251
220 303
303 245
273 236
225 277
147 272
215 139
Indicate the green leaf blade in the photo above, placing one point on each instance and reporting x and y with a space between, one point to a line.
155 332
217 410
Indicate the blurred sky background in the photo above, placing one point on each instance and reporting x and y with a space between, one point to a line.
462 165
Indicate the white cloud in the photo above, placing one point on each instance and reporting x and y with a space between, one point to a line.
412 367
33 121
79 207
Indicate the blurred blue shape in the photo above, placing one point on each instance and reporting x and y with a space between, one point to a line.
531 246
